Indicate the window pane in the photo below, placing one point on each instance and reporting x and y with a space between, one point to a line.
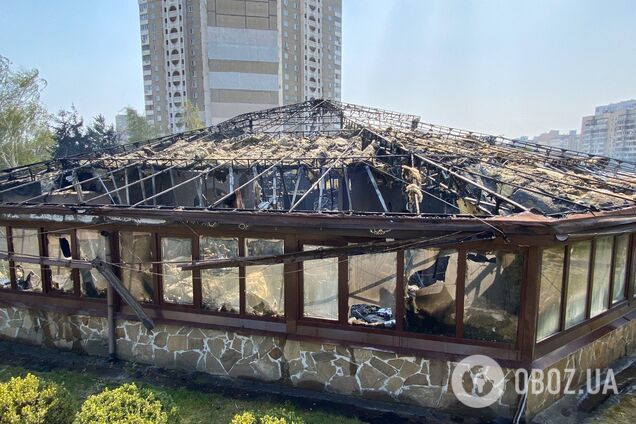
552 261
5 275
578 274
601 275
59 247
25 242
320 287
430 280
264 284
92 245
177 283
136 263
620 267
372 283
492 295
220 286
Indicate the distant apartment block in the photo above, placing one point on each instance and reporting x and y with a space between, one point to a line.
556 139
611 131
229 57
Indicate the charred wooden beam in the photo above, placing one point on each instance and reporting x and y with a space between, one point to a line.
119 287
42 260
376 188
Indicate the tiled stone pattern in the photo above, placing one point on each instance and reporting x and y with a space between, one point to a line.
365 372
598 355
80 333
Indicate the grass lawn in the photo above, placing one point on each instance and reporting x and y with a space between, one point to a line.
623 412
194 406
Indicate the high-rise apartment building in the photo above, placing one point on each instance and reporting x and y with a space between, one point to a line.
229 57
611 131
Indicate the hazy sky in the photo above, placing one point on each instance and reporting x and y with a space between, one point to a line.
503 67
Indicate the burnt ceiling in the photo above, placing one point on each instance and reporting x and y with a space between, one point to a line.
325 156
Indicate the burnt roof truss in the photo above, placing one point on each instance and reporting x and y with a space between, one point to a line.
324 156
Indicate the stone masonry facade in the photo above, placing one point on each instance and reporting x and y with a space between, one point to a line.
346 370
597 355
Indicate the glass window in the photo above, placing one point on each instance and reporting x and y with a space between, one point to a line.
492 295
578 274
430 283
59 247
136 264
220 286
264 284
26 242
177 283
551 284
320 287
5 275
620 267
92 245
601 275
372 283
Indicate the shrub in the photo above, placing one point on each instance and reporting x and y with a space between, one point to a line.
127 404
273 416
244 418
29 400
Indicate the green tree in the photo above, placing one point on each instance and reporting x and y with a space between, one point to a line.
71 138
69 134
100 135
191 117
24 133
138 127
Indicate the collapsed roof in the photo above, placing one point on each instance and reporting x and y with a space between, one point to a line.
324 156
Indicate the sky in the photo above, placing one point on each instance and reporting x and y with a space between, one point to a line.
503 67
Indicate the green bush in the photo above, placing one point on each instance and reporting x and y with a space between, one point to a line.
29 400
274 416
127 404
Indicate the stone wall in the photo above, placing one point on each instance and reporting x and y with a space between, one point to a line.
79 333
598 355
354 371
347 370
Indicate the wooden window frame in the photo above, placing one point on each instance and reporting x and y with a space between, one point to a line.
343 280
523 251
293 325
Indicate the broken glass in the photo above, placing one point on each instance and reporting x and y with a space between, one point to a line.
620 267
59 247
264 284
136 264
430 283
26 242
320 287
492 295
220 287
5 275
578 275
92 245
551 284
372 284
601 275
177 283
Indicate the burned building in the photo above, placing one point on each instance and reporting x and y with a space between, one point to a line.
328 246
